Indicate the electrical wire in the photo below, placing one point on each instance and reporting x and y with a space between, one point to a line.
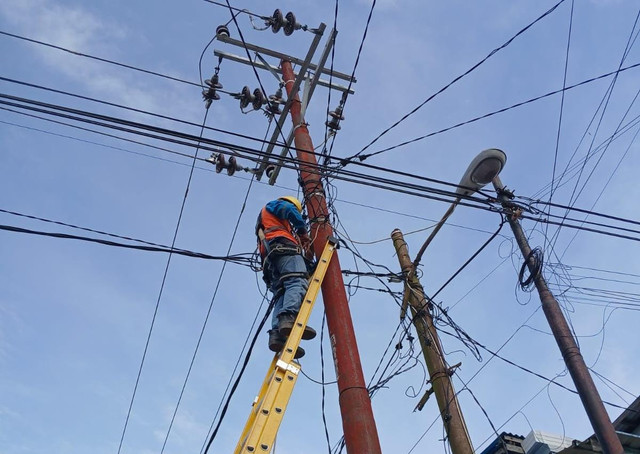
100 59
574 196
189 140
461 76
607 182
225 407
343 101
237 259
362 157
369 180
91 142
210 308
206 319
228 145
564 85
131 109
533 262
164 277
475 254
574 168
209 169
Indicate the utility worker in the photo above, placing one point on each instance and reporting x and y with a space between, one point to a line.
282 241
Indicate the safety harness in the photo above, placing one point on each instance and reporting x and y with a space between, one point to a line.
276 245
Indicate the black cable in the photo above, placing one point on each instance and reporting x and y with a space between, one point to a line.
610 176
131 109
76 115
388 184
355 65
583 211
564 84
327 132
164 278
234 9
467 72
535 374
320 382
160 247
208 168
475 254
237 259
204 324
77 227
393 184
206 319
103 60
533 262
91 142
323 396
101 133
237 381
582 228
362 157
574 197
484 411
384 183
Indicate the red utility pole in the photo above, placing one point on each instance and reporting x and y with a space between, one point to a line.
360 433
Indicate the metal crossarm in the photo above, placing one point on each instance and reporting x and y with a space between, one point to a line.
269 406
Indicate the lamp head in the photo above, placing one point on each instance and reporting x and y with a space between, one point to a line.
484 168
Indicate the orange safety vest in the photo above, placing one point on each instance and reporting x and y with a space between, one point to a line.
273 227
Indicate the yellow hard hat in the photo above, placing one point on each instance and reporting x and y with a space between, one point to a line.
292 199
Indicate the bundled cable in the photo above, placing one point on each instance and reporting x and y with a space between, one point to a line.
534 261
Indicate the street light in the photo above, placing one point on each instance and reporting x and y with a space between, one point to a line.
483 168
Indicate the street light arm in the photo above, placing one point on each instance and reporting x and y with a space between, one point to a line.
435 231
484 168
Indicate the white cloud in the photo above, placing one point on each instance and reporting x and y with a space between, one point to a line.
66 26
78 29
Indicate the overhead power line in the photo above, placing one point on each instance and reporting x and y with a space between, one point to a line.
93 57
163 282
240 259
237 258
467 72
131 109
262 141
363 157
372 181
188 140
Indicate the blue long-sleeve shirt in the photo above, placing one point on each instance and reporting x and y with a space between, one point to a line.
286 210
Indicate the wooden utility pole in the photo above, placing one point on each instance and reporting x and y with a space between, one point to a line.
439 373
600 421
360 433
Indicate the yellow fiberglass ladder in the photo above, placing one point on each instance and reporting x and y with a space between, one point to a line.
268 407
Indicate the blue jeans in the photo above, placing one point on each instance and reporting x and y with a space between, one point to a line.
294 287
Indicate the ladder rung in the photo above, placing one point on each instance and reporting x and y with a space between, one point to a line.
270 405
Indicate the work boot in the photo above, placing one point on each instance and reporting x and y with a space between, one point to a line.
276 343
286 322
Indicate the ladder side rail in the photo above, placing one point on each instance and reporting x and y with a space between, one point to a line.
257 403
268 419
293 341
269 406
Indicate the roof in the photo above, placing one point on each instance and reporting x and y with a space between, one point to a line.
629 420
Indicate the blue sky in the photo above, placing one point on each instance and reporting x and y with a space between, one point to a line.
75 316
